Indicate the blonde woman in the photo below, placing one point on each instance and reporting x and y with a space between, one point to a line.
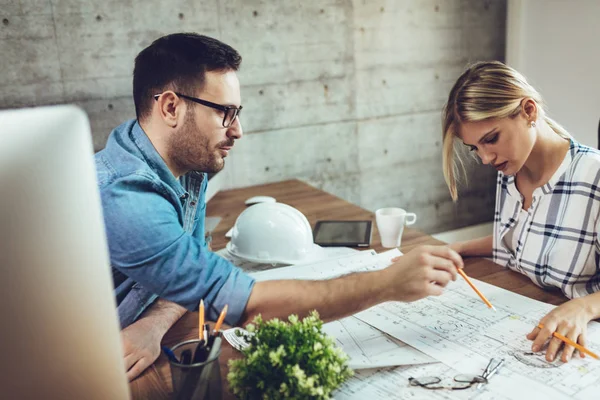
547 215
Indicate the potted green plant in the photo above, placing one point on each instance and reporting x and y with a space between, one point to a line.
288 360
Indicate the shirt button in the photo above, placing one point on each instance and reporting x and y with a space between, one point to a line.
193 203
184 196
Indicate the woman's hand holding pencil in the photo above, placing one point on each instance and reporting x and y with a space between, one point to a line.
565 327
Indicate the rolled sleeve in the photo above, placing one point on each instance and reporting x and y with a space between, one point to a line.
148 244
234 293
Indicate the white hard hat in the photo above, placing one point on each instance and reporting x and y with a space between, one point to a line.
273 233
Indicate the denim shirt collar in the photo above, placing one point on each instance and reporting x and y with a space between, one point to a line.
154 160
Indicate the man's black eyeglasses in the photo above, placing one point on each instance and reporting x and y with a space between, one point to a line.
230 112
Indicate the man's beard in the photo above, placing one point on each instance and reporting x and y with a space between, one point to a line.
190 149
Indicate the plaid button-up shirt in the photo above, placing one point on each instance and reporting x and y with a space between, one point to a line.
558 245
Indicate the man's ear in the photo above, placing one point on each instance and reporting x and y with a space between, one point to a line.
529 108
171 108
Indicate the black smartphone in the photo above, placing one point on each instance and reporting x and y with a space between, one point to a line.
343 233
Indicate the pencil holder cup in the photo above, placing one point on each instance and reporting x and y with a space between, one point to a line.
195 381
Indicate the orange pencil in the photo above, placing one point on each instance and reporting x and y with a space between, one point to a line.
220 320
487 303
201 320
572 343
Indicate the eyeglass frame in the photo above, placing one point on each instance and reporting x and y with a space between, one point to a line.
435 380
210 104
492 367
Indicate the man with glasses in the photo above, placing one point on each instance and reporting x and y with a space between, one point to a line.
152 179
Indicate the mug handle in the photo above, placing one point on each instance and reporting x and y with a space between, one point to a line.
411 218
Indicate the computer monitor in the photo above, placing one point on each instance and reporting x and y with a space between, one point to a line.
60 333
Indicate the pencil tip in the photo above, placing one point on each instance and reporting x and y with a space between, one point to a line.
494 308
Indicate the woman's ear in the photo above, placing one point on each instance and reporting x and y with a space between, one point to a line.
529 109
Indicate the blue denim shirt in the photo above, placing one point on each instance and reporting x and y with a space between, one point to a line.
155 229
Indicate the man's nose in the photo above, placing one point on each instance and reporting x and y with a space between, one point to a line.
235 130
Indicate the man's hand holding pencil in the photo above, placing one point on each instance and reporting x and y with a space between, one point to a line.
424 271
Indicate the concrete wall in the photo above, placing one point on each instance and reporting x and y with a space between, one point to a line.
345 95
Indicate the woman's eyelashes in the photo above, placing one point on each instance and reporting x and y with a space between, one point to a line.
491 140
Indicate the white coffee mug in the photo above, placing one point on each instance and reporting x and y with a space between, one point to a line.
391 222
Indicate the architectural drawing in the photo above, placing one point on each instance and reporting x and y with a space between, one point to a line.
392 383
252 267
329 268
368 347
460 331
535 360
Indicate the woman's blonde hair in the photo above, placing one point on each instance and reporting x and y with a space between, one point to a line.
484 91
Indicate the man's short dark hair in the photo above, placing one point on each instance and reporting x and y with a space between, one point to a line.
178 62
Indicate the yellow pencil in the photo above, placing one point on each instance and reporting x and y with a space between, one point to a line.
572 343
486 301
201 321
221 319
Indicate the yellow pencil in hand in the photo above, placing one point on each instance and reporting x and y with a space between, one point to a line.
486 301
572 343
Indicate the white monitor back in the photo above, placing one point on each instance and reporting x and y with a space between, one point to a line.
60 333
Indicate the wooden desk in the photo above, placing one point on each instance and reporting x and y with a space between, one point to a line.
155 383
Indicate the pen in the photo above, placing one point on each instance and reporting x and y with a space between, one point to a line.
201 321
206 328
186 357
571 343
200 353
486 301
170 354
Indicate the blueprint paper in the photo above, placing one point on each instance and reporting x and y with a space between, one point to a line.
392 383
363 261
460 331
368 347
251 266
